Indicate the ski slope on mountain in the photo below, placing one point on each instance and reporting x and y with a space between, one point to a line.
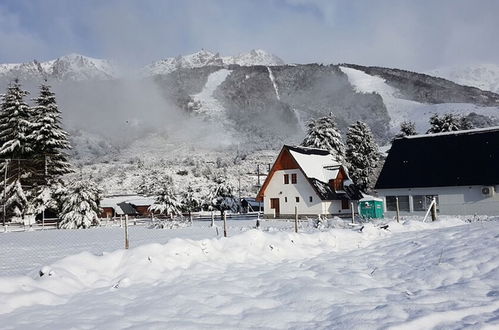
401 110
483 76
208 104
412 276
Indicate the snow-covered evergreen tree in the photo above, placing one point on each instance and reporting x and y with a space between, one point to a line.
465 123
189 201
44 199
50 140
16 124
362 154
152 182
16 128
80 202
221 197
445 123
166 201
16 200
407 128
322 133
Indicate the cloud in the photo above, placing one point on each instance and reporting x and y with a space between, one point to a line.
417 35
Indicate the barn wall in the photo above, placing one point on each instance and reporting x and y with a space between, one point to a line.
462 200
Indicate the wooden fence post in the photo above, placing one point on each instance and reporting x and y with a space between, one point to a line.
353 212
296 219
225 224
398 210
434 209
126 232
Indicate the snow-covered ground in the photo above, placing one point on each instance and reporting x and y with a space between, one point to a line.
401 110
412 276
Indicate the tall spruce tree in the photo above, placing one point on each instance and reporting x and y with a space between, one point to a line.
49 139
16 149
362 154
322 133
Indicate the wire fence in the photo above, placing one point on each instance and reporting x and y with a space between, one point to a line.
27 248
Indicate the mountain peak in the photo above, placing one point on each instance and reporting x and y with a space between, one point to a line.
68 67
207 58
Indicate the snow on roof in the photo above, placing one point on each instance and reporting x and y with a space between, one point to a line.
322 167
368 198
469 131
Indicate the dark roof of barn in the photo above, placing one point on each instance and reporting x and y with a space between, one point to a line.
127 208
440 160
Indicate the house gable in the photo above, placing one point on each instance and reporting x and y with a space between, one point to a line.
323 167
283 162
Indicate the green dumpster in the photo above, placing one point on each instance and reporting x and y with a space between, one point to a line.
371 207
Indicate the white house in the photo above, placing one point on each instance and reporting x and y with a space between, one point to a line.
309 179
460 169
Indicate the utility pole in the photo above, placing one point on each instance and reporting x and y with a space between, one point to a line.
239 189
258 174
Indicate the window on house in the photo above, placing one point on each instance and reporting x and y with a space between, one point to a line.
422 202
293 178
310 199
297 199
345 204
286 178
285 199
391 203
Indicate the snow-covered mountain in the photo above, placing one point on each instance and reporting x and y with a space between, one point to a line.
401 108
70 67
483 76
207 58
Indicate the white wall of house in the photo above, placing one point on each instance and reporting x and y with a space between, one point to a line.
459 200
287 194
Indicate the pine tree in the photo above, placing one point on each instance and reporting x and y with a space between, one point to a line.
166 201
50 140
221 197
362 154
322 133
80 202
16 124
16 200
190 202
16 146
407 128
446 123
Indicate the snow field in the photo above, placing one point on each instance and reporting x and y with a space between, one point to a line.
417 275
